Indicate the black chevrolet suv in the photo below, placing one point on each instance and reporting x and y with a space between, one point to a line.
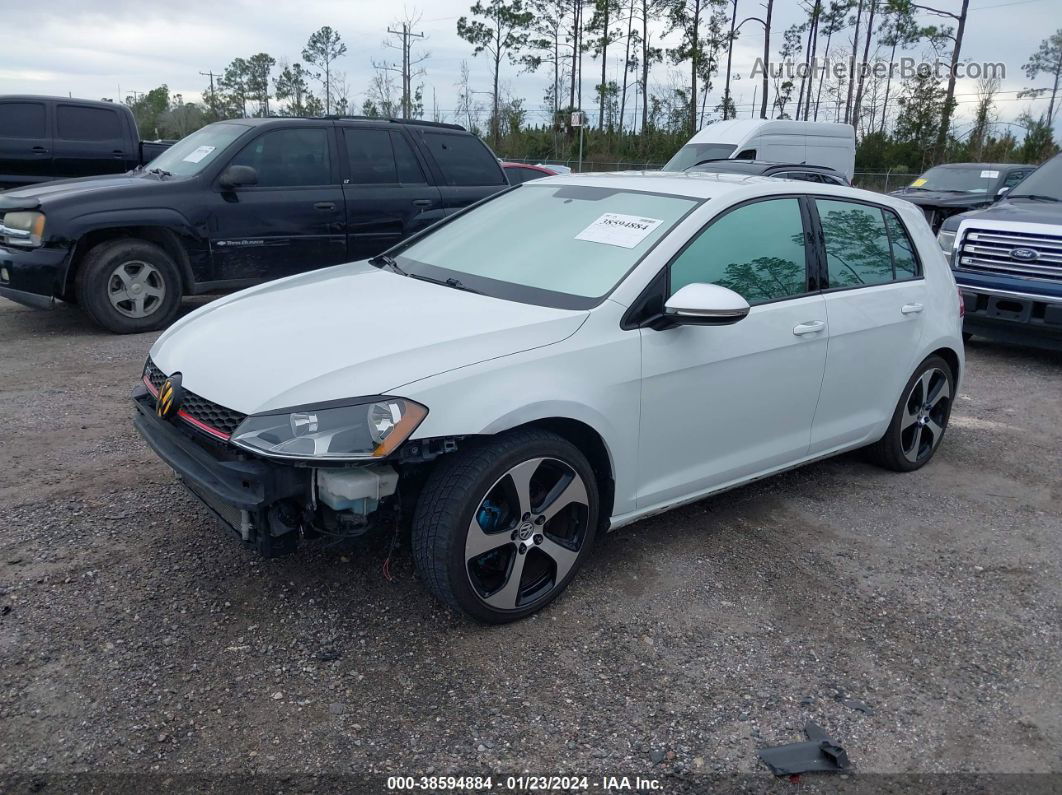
234 204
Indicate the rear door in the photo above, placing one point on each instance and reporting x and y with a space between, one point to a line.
875 299
387 190
25 142
465 168
293 219
91 140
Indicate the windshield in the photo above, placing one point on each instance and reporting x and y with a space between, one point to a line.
1045 181
555 245
692 154
192 154
975 179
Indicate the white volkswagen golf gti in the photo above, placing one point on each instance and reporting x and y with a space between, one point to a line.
562 359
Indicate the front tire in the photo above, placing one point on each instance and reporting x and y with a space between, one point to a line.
920 419
129 286
501 528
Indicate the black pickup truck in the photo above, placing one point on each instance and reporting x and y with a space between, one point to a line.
43 138
235 204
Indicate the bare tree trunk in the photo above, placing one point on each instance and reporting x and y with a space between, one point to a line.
863 65
811 60
807 58
949 100
729 60
852 65
694 63
626 70
604 64
645 65
888 85
766 56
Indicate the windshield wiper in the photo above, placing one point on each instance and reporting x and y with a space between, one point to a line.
450 282
160 172
384 261
1037 196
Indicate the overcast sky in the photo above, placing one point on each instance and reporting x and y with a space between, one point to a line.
91 48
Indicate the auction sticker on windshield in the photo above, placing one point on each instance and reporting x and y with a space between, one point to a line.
198 154
616 229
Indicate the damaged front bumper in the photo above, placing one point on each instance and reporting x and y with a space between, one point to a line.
33 277
244 492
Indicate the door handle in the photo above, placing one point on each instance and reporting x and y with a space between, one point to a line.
39 149
325 206
910 309
422 202
811 327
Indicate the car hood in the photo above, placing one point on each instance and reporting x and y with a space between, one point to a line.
45 193
941 198
344 332
1027 211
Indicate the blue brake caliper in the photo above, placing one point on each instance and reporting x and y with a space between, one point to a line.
489 516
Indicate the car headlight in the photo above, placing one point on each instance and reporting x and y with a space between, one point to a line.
23 228
358 431
946 240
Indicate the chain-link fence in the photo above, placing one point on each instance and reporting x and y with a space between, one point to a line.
880 181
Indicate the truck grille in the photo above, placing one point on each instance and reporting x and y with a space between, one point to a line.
195 409
992 251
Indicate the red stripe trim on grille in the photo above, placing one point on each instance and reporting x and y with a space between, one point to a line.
184 415
147 382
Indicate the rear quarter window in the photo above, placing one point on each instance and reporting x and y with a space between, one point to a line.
87 124
463 159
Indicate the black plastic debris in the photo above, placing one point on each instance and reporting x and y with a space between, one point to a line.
820 754
857 705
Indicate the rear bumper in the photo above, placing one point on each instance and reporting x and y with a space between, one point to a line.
33 277
229 483
1013 315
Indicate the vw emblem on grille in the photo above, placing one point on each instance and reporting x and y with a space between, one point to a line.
170 396
1025 254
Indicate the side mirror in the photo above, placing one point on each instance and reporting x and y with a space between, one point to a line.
705 305
238 177
1000 192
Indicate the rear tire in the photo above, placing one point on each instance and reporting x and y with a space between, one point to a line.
501 528
129 286
920 419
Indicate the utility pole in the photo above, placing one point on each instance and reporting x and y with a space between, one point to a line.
407 78
213 97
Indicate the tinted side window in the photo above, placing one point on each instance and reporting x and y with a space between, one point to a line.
1013 178
409 170
372 161
903 254
746 154
87 124
805 176
285 158
756 250
463 160
22 120
857 245
518 175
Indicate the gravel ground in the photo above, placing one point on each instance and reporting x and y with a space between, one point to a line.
915 617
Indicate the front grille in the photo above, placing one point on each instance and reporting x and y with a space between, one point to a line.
196 407
991 251
225 420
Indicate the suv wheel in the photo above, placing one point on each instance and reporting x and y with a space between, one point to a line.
920 419
128 286
500 529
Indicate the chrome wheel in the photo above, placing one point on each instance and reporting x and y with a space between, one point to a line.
136 288
925 415
526 533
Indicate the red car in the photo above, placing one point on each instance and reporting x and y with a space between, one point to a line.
523 172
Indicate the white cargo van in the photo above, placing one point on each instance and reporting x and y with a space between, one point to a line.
817 143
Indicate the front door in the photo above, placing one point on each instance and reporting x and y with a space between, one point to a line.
387 193
292 220
875 298
722 403
25 142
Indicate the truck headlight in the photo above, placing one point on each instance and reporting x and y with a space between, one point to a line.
358 431
946 240
23 228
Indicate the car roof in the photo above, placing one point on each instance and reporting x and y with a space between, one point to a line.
759 166
992 166
71 100
713 184
258 121
543 169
